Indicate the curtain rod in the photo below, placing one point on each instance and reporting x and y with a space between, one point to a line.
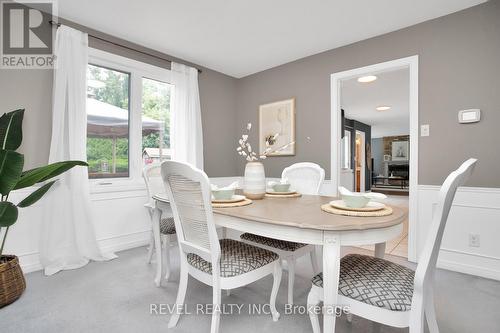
123 46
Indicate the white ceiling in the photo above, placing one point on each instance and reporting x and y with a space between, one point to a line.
359 101
242 37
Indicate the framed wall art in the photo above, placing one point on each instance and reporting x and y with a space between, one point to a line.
277 127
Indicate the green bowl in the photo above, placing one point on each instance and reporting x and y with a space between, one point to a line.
223 194
355 200
281 187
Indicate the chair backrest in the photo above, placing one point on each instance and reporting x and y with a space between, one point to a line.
427 261
152 177
189 192
305 177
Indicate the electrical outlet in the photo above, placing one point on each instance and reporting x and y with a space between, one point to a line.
474 240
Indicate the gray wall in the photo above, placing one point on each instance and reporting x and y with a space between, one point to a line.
32 90
459 67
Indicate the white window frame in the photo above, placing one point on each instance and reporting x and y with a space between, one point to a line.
137 70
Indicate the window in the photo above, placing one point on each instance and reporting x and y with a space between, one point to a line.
346 150
108 110
128 117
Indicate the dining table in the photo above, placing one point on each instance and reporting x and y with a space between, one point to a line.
301 219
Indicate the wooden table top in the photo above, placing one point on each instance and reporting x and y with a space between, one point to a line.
305 212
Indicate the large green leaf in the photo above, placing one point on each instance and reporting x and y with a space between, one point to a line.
35 196
11 129
8 214
41 174
11 168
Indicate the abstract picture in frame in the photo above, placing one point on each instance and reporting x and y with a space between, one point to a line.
400 151
277 127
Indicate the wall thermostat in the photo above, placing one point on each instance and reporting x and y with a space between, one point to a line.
469 116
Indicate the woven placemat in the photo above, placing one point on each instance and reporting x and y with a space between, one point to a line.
292 195
383 212
232 204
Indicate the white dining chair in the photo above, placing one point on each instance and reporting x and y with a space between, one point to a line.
388 293
222 264
154 185
305 178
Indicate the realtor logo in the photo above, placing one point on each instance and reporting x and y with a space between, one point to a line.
27 35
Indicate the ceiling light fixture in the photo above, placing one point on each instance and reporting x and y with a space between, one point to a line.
382 108
367 79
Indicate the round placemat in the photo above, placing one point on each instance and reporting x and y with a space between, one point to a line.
291 195
232 204
383 212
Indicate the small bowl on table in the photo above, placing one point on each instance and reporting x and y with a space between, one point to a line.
281 187
355 200
226 194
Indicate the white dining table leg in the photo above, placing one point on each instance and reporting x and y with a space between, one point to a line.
157 240
380 250
331 272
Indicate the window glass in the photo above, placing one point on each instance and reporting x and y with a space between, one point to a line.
155 121
108 108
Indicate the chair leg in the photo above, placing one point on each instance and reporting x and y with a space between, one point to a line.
430 313
181 292
228 292
312 302
291 278
216 301
274 291
151 248
166 244
349 317
314 261
417 315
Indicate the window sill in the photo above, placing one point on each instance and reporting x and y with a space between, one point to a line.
112 186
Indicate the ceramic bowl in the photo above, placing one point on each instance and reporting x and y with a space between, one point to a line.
355 200
281 187
223 194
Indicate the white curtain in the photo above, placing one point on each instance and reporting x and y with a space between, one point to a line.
68 238
187 135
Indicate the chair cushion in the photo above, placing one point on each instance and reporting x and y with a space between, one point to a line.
374 281
236 258
167 226
271 242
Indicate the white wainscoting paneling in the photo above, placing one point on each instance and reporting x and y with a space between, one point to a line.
474 211
121 222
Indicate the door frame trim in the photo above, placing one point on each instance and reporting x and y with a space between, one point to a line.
412 64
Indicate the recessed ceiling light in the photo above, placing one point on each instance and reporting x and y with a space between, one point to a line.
382 108
367 79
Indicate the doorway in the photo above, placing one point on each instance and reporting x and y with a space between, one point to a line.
384 152
359 161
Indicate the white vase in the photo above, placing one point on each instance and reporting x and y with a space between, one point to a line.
255 181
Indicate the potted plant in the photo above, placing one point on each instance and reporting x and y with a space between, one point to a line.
254 186
12 177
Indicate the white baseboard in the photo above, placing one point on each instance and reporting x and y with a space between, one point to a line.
468 263
125 242
30 262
